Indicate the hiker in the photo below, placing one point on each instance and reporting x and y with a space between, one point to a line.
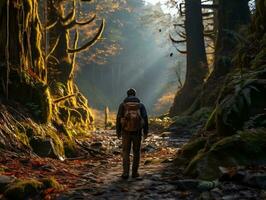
131 124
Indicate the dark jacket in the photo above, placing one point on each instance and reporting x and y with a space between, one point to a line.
120 114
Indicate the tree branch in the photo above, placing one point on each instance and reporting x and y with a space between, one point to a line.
210 6
182 35
74 23
91 42
52 25
176 41
207 14
180 25
71 16
180 8
180 51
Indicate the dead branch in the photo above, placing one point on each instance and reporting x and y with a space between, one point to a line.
207 14
210 6
176 41
209 32
182 35
180 9
208 18
52 25
75 22
91 42
180 51
71 16
180 25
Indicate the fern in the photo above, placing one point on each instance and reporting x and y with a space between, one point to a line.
239 101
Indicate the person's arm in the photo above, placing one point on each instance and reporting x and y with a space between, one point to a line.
144 116
118 121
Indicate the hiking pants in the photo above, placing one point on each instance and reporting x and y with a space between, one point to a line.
129 139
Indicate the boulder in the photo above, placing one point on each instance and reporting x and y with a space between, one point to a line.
23 189
189 150
243 149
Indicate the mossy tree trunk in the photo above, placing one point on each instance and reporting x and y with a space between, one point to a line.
23 71
231 16
61 60
62 55
22 36
197 67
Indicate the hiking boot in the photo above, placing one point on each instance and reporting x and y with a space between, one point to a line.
124 176
135 175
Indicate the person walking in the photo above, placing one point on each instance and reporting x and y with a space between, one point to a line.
131 125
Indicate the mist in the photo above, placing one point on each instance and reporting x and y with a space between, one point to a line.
140 60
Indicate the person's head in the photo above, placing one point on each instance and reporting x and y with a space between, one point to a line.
131 92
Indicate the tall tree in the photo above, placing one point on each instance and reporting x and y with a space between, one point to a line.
62 55
62 18
231 16
197 67
23 72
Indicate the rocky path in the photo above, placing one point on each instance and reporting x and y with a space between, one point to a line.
96 175
157 177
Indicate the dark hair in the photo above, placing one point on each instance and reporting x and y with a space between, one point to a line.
131 92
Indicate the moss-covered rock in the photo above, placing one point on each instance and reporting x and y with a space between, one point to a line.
241 99
191 123
51 182
189 150
242 149
23 189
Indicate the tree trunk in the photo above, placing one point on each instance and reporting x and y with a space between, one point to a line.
196 58
59 65
20 42
231 16
23 73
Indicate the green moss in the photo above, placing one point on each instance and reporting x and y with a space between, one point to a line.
194 121
23 189
210 124
51 182
243 149
70 148
189 150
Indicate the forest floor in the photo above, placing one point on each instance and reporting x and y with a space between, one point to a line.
97 175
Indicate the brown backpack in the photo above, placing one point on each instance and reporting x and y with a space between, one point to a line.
132 120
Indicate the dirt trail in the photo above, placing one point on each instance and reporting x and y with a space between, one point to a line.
155 170
96 175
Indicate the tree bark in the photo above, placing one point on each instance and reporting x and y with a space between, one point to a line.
232 15
23 73
197 67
